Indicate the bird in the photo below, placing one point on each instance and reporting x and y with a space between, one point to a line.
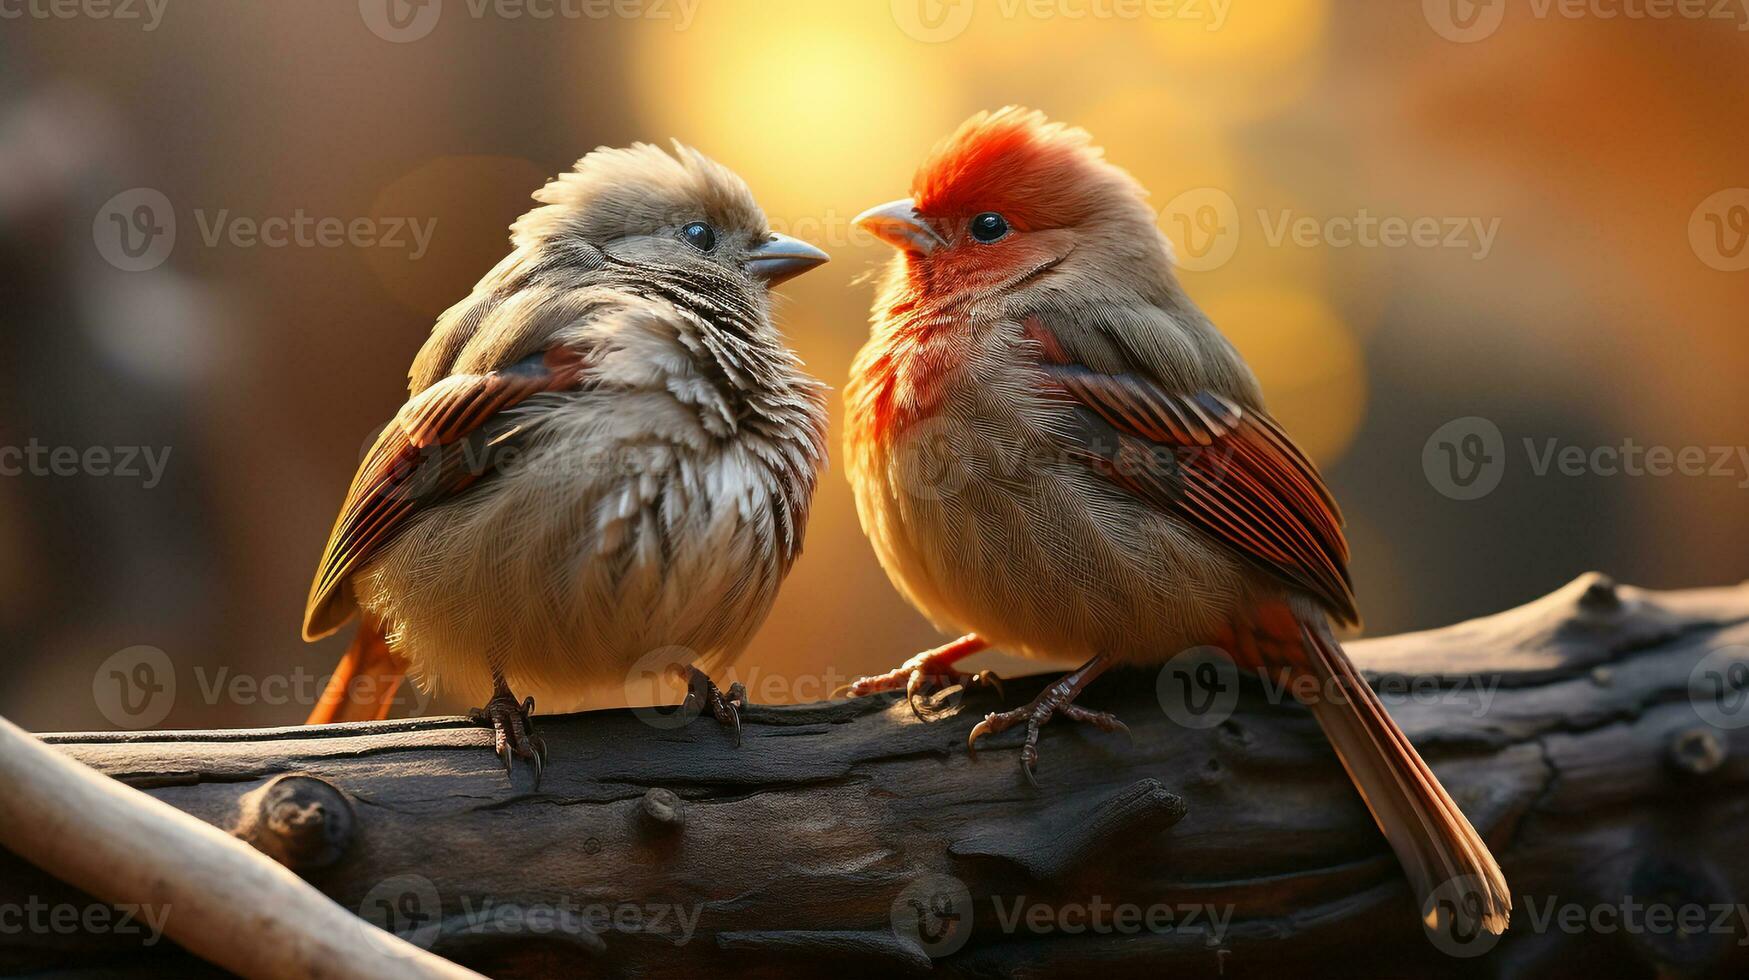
608 449
1055 452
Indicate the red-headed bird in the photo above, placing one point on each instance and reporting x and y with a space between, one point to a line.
1055 452
608 450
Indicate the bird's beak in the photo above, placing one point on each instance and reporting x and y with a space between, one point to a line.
898 224
782 257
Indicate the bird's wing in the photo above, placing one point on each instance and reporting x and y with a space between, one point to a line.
1229 470
442 441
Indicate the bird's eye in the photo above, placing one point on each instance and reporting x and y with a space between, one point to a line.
988 227
700 236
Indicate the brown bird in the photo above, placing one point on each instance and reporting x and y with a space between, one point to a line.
1055 452
608 450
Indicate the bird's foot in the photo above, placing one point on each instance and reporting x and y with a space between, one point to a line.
929 672
512 730
1054 701
702 693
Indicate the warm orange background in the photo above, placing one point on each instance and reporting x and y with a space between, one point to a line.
1592 319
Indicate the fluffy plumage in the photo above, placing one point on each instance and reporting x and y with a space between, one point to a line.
608 448
1055 450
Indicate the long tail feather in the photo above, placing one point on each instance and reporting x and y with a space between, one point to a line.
1456 879
364 683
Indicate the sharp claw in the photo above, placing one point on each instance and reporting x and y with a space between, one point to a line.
1055 701
978 731
702 693
990 677
513 734
912 686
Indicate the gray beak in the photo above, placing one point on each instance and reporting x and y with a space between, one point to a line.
898 224
782 257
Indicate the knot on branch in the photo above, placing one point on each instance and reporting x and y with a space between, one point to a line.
302 822
1697 751
661 810
1600 594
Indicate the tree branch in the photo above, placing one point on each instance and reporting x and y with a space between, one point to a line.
1589 736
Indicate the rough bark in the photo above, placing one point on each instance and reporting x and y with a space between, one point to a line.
1607 767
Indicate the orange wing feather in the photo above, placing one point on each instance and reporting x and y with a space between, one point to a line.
1229 470
440 443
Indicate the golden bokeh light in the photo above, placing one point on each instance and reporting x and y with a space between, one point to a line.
1252 61
822 107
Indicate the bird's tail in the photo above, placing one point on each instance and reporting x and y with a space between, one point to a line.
365 681
1457 882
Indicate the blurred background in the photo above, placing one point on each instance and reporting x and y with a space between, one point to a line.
1404 214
